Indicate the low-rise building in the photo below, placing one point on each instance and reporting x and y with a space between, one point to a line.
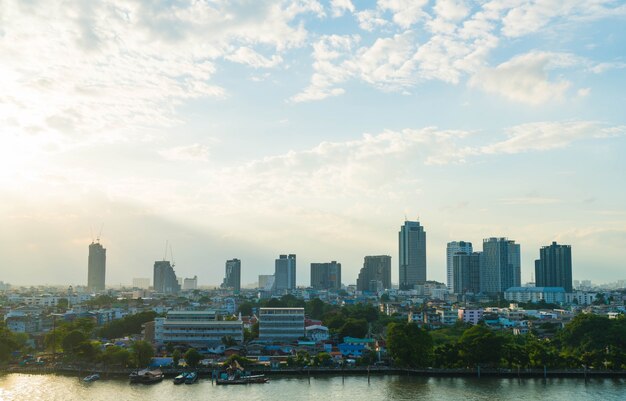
472 316
281 324
195 328
551 295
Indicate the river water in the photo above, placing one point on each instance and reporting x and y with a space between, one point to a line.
24 387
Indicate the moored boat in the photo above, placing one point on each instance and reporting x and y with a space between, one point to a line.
180 379
91 378
191 378
243 379
146 376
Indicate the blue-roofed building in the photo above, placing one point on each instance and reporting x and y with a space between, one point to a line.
551 295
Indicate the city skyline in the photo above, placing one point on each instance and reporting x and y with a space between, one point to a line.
316 125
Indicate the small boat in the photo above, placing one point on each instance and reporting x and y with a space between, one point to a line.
146 376
91 378
191 378
180 379
243 379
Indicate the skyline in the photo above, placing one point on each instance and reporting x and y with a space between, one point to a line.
308 127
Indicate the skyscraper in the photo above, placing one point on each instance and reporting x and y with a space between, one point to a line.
232 278
376 270
500 265
466 272
453 248
326 276
285 273
96 267
412 247
165 280
554 267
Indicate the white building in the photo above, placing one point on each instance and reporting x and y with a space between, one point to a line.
281 324
196 328
190 283
551 295
471 316
451 249
317 333
581 297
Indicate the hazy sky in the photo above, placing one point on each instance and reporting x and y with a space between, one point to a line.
252 128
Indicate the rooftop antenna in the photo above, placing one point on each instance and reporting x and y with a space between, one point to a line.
165 254
100 233
172 255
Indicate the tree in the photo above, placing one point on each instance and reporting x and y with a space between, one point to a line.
127 325
72 341
228 341
480 346
353 328
409 345
176 356
192 357
62 304
142 352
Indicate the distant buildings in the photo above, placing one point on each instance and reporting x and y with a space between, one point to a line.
326 276
375 274
196 328
554 267
285 273
140 282
412 258
451 249
551 295
466 272
96 267
500 265
165 280
281 324
232 277
190 283
266 282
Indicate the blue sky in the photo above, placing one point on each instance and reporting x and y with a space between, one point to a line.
253 128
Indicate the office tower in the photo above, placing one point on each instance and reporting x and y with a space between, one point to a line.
412 246
326 276
190 283
266 282
554 267
285 273
451 249
96 267
232 278
376 270
500 265
466 272
165 280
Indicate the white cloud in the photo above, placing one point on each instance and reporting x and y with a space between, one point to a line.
245 55
339 7
451 9
525 78
194 152
405 12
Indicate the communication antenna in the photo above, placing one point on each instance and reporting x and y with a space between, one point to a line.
172 255
100 233
165 254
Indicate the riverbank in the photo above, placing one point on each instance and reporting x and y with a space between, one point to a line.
339 372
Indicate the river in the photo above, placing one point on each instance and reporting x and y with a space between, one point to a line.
25 387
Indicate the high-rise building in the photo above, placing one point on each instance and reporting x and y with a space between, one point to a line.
453 248
326 276
285 273
554 267
375 274
165 280
500 265
232 278
466 272
96 267
190 283
412 247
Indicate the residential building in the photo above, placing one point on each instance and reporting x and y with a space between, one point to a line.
96 267
326 276
165 280
500 265
452 249
412 254
551 295
466 273
472 316
140 282
232 277
554 267
285 273
196 328
375 274
281 324
190 283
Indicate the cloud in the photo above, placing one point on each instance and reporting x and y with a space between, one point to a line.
525 78
405 12
194 152
339 7
451 9
245 55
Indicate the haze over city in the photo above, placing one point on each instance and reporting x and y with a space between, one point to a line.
309 128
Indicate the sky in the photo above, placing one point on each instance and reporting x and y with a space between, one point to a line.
250 128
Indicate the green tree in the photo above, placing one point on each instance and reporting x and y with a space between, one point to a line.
176 356
192 357
142 352
228 341
72 341
409 345
353 328
127 325
479 345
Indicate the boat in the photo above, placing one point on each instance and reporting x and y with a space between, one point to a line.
250 379
191 378
146 376
180 379
91 378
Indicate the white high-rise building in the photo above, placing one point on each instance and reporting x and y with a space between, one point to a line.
452 248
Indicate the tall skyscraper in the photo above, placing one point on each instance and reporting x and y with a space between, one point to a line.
412 246
453 248
326 276
500 265
375 274
466 272
232 278
554 267
285 273
96 267
165 280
